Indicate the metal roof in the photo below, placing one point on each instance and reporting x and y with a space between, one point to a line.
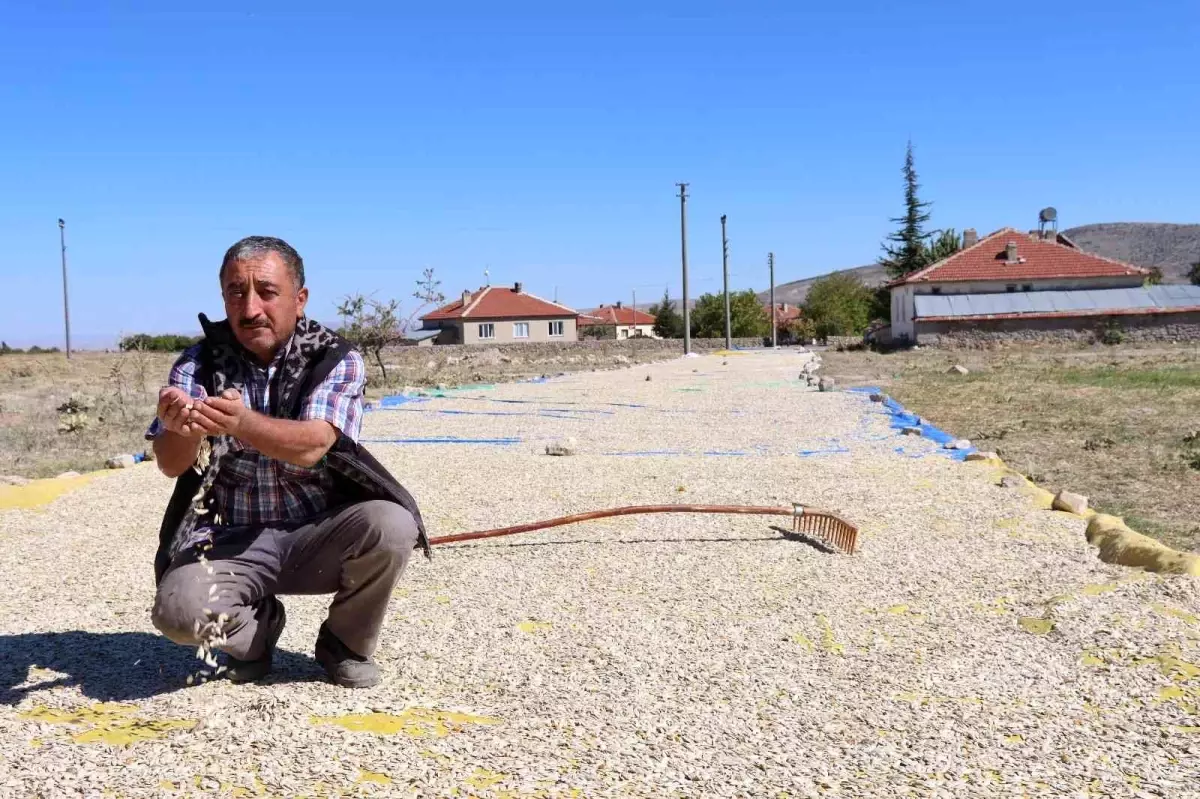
1151 298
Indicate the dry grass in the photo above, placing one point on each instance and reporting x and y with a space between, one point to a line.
121 389
1118 424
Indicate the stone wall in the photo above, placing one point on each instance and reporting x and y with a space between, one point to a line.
1175 327
457 364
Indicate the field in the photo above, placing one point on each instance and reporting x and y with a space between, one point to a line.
58 415
1117 424
974 645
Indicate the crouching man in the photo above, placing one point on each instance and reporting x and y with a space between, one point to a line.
259 427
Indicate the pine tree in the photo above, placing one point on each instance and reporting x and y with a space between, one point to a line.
668 323
909 253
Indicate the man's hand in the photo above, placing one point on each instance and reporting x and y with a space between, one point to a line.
223 415
176 409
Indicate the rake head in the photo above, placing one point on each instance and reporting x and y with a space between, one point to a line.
834 532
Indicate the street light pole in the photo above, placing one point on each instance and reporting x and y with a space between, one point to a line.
725 270
62 239
771 267
687 314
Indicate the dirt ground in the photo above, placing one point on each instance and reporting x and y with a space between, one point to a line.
114 401
1117 424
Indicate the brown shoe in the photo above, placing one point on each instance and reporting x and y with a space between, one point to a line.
240 671
344 667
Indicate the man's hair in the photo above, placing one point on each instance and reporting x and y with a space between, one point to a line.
257 247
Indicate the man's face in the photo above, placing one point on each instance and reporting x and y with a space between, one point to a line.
262 303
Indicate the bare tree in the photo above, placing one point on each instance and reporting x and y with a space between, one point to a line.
373 326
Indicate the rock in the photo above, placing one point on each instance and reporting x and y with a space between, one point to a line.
67 475
621 359
647 378
961 443
565 446
826 384
120 462
910 431
1011 481
1072 503
77 404
957 369
983 456
877 397
505 359
13 480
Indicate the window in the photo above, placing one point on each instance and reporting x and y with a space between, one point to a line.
1011 287
520 330
936 290
556 328
1027 287
487 330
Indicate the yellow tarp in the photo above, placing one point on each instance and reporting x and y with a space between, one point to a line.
41 492
1118 544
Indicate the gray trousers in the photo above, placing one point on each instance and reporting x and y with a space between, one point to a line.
356 552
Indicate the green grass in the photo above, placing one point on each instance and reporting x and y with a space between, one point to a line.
1129 377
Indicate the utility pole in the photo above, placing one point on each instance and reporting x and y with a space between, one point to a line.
725 270
62 239
771 267
633 313
687 314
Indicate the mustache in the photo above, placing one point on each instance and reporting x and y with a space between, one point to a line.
253 324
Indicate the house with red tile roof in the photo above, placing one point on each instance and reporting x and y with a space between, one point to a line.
624 322
499 315
784 313
1021 276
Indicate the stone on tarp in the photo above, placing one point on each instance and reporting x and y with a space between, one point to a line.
1072 503
120 462
825 384
877 397
960 444
983 456
563 446
958 369
910 431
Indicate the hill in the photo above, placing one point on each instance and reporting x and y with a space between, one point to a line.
1170 247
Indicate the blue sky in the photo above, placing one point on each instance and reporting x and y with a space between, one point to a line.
542 141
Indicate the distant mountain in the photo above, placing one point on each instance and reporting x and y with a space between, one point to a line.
1172 248
794 293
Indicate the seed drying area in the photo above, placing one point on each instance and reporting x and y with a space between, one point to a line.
973 643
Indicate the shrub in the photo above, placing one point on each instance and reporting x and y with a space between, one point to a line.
1112 333
146 342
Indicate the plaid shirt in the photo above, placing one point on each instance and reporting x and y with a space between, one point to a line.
253 489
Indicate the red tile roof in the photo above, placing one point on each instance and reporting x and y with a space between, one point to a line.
1037 259
785 313
612 315
501 302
